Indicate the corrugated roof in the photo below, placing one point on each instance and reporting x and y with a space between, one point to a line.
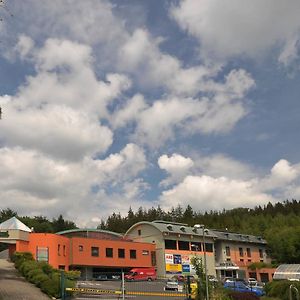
238 237
88 230
178 228
14 223
288 271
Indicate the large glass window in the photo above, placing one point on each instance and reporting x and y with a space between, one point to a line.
183 245
109 252
95 251
195 246
132 254
170 244
121 253
209 247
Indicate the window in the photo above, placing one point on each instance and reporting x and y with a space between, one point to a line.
132 254
139 232
209 247
248 252
109 252
153 258
196 246
170 244
80 248
58 249
241 252
241 260
227 250
183 245
121 253
95 251
249 260
261 253
64 250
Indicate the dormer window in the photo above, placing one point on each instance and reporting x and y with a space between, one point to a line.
170 227
182 228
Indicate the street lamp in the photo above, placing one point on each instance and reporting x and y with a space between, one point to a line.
204 230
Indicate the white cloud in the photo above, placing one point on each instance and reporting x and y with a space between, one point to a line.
141 54
217 113
206 193
33 183
177 166
226 29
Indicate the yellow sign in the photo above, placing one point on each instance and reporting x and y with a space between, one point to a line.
174 268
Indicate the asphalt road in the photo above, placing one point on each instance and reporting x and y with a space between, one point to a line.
134 287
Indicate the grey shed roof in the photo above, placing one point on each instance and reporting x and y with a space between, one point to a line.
238 237
14 223
172 227
288 271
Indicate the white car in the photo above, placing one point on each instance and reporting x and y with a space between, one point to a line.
172 284
252 281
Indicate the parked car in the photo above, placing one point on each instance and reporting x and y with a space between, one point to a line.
239 286
172 284
251 281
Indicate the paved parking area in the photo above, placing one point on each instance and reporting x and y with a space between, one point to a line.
14 287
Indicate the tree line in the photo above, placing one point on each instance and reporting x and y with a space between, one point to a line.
278 223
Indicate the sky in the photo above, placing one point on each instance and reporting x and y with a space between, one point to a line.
108 105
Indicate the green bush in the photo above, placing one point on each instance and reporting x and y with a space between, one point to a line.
47 269
31 275
42 274
280 288
27 266
50 287
39 279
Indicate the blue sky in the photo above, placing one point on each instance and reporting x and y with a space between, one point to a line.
112 104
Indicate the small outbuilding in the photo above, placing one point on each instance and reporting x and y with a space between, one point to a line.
288 272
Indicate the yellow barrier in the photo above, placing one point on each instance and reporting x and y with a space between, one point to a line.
97 291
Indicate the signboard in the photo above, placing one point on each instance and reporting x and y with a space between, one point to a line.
186 269
177 259
173 268
186 260
42 254
169 258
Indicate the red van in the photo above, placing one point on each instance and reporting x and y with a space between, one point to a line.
141 274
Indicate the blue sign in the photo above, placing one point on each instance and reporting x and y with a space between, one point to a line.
186 269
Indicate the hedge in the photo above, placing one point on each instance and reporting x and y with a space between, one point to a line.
43 275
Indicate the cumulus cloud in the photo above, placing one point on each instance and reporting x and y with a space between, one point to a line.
248 28
33 183
217 181
217 113
206 193
141 53
176 166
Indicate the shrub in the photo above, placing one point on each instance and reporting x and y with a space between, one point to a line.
39 279
47 269
280 288
50 287
33 273
27 266
243 296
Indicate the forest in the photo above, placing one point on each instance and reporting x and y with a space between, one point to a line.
278 223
